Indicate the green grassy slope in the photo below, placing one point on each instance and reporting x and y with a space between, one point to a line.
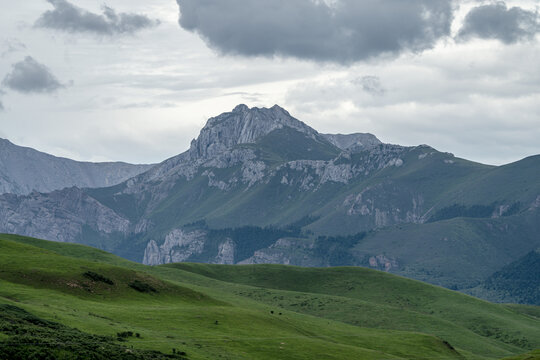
336 313
517 181
533 355
375 299
48 281
26 336
288 144
456 253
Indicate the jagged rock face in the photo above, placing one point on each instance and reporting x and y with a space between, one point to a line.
225 254
340 170
23 170
242 126
179 246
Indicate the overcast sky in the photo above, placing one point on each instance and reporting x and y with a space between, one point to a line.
136 80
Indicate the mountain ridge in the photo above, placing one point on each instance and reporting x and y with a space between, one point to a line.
23 170
251 188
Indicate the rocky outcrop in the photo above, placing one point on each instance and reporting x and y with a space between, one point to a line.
179 246
253 172
225 254
287 251
23 170
242 126
381 262
311 174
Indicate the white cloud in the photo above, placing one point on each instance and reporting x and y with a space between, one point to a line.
143 98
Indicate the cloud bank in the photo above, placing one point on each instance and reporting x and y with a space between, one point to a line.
29 76
341 31
70 18
496 21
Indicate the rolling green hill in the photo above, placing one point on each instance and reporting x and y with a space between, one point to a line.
63 291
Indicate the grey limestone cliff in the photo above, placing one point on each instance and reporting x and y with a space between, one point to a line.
242 126
179 245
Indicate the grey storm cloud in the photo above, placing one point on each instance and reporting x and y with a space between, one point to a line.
341 31
496 21
29 76
70 18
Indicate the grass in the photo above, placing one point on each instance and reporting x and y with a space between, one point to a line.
31 337
255 312
533 355
375 299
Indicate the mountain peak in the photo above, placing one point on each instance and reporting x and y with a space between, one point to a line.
243 125
276 109
240 108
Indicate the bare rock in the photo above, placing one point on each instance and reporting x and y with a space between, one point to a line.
225 253
179 245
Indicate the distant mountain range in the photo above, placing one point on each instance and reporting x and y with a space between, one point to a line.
23 170
259 186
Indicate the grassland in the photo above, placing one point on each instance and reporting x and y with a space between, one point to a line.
252 312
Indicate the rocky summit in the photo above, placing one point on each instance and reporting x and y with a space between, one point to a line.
260 186
243 126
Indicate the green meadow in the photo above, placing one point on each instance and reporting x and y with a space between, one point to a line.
65 300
